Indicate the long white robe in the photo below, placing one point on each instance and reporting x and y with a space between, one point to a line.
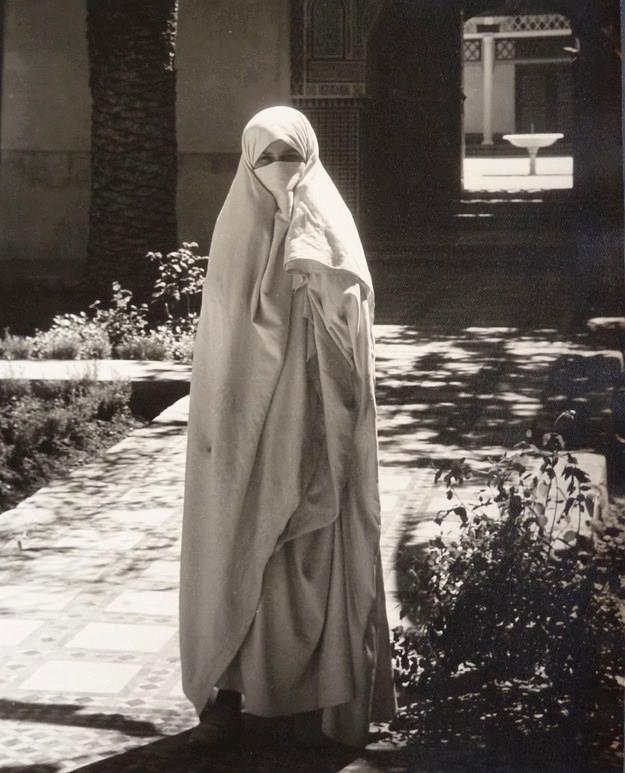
281 589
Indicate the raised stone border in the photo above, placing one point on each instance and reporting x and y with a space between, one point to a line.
154 384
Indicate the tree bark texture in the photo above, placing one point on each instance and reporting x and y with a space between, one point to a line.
133 141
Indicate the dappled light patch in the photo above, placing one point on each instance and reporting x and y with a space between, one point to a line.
481 386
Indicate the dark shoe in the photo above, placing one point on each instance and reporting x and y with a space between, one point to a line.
306 729
219 728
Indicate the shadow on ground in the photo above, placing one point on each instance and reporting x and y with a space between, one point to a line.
266 748
74 714
443 391
468 361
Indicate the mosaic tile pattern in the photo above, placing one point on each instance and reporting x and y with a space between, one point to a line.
96 663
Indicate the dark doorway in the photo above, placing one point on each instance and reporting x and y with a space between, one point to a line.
412 125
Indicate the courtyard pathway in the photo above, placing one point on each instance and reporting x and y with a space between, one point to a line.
468 360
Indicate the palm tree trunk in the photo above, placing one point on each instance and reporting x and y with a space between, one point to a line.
133 141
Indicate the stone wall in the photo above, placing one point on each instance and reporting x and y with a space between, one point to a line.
46 108
232 61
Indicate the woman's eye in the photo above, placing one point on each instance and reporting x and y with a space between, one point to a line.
267 158
264 160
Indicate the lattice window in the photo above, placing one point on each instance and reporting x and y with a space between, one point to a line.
536 22
472 50
527 22
297 47
337 132
328 29
505 49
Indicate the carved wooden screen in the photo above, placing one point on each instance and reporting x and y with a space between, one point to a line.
328 49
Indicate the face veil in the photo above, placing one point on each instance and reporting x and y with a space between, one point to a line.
280 178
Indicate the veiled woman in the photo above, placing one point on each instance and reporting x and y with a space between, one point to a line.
281 598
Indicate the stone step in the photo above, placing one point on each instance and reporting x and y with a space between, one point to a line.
466 245
525 217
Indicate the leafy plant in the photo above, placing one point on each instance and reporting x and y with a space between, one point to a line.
520 610
122 319
14 347
122 327
172 340
72 336
179 284
141 347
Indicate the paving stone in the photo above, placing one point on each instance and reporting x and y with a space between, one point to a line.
146 516
163 570
70 676
15 630
146 603
35 598
122 636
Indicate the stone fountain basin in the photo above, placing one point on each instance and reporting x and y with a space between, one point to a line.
531 141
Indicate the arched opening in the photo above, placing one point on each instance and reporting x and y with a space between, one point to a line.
518 84
414 128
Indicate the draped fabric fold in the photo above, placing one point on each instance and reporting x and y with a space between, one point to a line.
281 591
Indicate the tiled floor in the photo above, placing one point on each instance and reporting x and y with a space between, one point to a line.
89 565
89 611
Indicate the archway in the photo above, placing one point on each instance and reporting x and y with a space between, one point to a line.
387 106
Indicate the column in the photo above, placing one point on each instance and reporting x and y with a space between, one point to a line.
488 66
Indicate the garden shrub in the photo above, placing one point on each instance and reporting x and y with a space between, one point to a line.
163 329
141 347
181 348
14 388
122 319
169 341
72 336
516 629
14 347
47 426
